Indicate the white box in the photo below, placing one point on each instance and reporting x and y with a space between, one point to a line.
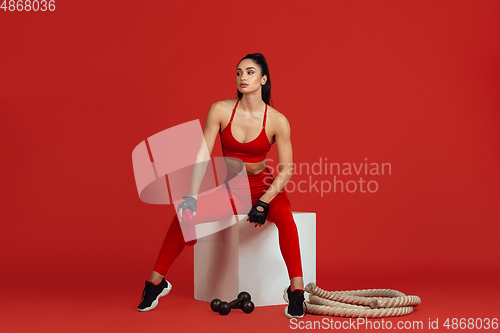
247 258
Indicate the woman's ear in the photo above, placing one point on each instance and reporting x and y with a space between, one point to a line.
264 80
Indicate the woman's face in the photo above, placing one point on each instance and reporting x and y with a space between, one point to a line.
249 77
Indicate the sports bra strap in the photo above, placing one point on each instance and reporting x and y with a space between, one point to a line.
234 110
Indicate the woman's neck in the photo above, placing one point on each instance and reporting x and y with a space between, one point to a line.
252 102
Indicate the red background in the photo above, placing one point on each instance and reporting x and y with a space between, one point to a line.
413 84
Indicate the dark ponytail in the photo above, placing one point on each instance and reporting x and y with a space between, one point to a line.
259 59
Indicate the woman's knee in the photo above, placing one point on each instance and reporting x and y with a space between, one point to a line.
281 212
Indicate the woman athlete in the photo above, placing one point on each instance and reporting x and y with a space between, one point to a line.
247 128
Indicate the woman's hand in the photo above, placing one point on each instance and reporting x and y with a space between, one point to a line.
188 203
258 213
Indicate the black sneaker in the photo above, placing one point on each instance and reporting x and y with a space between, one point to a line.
295 301
152 293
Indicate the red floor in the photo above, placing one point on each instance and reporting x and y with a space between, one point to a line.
42 303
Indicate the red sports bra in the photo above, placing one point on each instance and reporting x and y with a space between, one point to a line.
251 151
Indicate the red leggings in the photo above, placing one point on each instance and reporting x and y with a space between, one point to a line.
280 213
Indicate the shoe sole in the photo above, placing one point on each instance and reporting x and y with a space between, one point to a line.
164 292
285 297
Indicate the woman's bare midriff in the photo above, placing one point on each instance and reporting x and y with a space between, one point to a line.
235 166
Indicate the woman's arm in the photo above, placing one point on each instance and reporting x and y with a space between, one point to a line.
284 146
203 156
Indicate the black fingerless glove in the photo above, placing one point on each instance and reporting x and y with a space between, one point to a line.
188 203
257 215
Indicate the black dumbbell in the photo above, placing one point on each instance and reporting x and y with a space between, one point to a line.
242 302
225 307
